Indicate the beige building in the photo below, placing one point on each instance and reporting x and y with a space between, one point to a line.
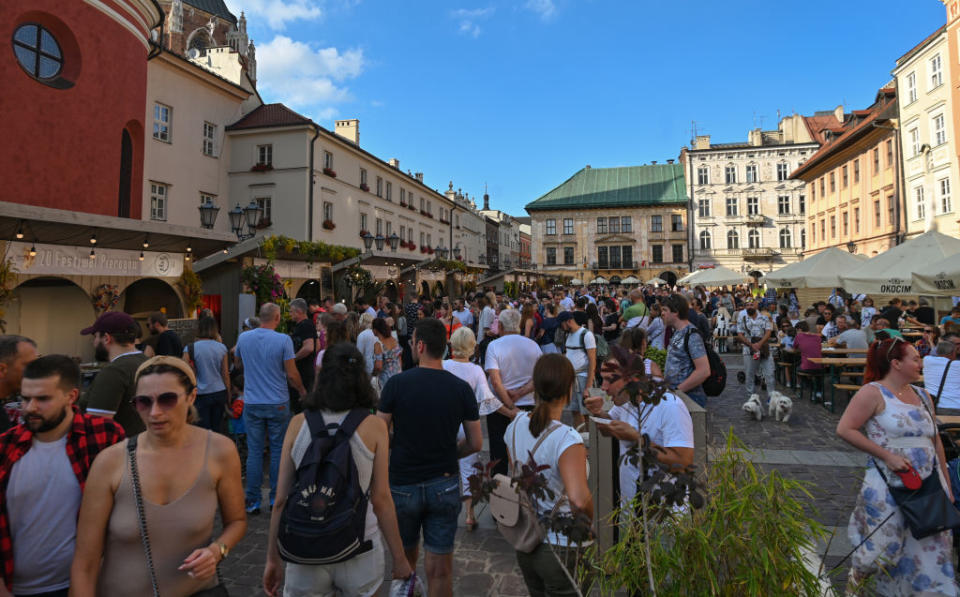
927 140
615 223
747 215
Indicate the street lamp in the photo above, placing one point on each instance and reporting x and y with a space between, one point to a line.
208 214
852 247
367 241
456 253
442 252
379 239
394 241
251 214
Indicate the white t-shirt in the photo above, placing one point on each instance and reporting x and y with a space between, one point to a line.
366 340
933 373
567 303
866 316
549 454
473 375
465 317
486 320
575 354
514 357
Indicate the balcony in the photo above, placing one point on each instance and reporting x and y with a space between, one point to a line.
756 220
759 253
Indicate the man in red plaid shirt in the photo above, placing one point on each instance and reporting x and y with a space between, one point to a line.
43 468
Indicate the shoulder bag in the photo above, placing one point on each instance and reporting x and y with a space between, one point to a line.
515 514
927 511
943 380
218 591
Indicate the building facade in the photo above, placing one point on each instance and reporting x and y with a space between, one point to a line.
852 182
927 141
468 232
747 214
614 222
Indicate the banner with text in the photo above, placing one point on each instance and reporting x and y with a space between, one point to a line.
70 260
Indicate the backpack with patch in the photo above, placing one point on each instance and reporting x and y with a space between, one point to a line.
325 514
717 380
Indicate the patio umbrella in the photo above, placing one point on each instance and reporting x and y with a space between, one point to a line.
655 282
599 280
630 280
941 278
891 272
718 276
822 270
689 276
576 282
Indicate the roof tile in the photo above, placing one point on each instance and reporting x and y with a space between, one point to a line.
269 115
631 186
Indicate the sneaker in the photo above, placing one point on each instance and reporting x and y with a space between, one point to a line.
253 508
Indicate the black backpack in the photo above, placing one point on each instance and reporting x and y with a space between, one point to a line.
717 380
325 514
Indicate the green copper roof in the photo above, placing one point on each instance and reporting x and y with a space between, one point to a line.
661 184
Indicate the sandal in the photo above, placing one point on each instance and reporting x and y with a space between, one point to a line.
471 524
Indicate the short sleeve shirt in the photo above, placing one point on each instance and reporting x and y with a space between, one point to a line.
679 365
514 356
752 328
264 353
576 350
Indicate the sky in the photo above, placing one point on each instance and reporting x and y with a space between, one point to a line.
518 96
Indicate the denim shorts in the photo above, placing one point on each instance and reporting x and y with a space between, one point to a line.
576 398
434 506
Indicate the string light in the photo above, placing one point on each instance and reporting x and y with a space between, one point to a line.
141 255
33 250
146 242
20 231
189 249
93 239
93 253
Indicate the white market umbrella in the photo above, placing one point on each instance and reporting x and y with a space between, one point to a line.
576 282
688 277
891 272
717 276
630 280
655 282
599 280
822 270
941 278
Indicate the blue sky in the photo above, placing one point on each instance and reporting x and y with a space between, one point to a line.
520 95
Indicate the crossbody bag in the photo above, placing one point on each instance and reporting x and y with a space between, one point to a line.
943 380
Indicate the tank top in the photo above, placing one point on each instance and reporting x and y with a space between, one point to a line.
362 458
175 530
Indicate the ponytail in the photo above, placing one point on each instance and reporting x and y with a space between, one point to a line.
553 378
539 419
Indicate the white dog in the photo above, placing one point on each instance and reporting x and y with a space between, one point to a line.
780 407
754 407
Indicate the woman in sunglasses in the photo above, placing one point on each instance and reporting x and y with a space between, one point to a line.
891 420
146 521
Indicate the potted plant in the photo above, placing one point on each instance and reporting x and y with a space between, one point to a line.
329 225
364 187
363 233
412 246
261 167
403 204
329 172
264 223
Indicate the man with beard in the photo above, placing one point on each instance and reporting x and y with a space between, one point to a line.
43 467
15 353
109 395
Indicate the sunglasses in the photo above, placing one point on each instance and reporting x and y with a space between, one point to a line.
165 401
893 343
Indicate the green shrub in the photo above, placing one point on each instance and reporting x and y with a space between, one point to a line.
657 355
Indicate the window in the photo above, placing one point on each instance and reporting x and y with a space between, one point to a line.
626 252
602 261
657 253
614 224
856 171
856 220
423 204
876 160
328 160
943 185
844 177
783 171
37 51
265 204
911 88
429 240
731 206
786 239
363 176
403 234
803 204
429 208
733 240
379 231
551 225
265 155
204 197
389 196
158 201
568 255
626 223
403 196
813 190
363 224
327 211
568 225
813 232
845 218
803 238
833 226
914 134
161 122
615 257
676 223
601 225
783 205
891 209
939 127
751 173
876 213
918 200
823 187
703 175
703 208
753 206
705 240
936 72
889 153
677 253
823 230
656 223
730 174
422 239
209 138
551 255
379 187
833 182
753 238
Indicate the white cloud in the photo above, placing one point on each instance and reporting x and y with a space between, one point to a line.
301 76
468 18
277 13
545 9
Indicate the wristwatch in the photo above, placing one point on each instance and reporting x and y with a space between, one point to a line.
224 550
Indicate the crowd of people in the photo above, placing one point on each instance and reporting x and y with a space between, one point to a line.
115 491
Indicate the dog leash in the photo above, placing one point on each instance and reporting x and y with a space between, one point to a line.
865 539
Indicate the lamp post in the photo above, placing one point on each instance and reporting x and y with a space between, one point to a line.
442 252
208 214
456 253
250 214
394 241
367 241
852 247
379 239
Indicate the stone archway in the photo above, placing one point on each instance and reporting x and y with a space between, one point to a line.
147 295
310 290
669 277
51 311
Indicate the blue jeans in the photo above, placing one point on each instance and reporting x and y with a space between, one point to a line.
264 422
210 407
434 506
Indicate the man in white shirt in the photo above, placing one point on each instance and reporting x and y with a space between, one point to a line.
942 382
754 331
580 348
566 302
463 314
366 341
847 335
366 308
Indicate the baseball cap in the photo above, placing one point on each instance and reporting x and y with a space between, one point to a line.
112 322
564 316
340 309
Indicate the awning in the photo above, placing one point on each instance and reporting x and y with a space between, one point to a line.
822 270
891 272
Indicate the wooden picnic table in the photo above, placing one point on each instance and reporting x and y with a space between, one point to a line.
840 361
838 350
945 419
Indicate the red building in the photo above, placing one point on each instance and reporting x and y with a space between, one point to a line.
72 111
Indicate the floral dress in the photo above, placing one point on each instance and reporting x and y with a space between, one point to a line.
903 565
391 363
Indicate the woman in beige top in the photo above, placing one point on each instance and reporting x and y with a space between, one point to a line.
185 474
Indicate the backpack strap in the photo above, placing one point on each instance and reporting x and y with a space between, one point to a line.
317 426
353 419
943 380
543 435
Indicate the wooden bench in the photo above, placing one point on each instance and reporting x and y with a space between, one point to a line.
813 377
783 368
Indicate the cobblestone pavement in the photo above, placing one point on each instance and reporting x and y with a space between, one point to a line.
806 449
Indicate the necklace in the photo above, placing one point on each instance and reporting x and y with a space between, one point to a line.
899 394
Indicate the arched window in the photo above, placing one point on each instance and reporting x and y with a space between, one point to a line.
705 240
126 165
786 239
753 238
733 240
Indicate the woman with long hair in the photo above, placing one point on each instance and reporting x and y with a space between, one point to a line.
635 340
208 357
540 435
594 321
342 387
528 321
892 420
352 325
160 489
386 352
336 333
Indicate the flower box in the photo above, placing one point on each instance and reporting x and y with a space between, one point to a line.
423 212
412 246
423 250
261 167
403 204
430 215
412 207
329 225
264 223
329 172
364 187
364 233
430 250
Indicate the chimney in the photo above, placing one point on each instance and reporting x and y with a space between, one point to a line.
486 201
702 142
669 161
653 162
348 129
395 163
587 167
418 176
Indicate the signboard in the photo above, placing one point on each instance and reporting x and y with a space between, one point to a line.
60 260
293 269
185 328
